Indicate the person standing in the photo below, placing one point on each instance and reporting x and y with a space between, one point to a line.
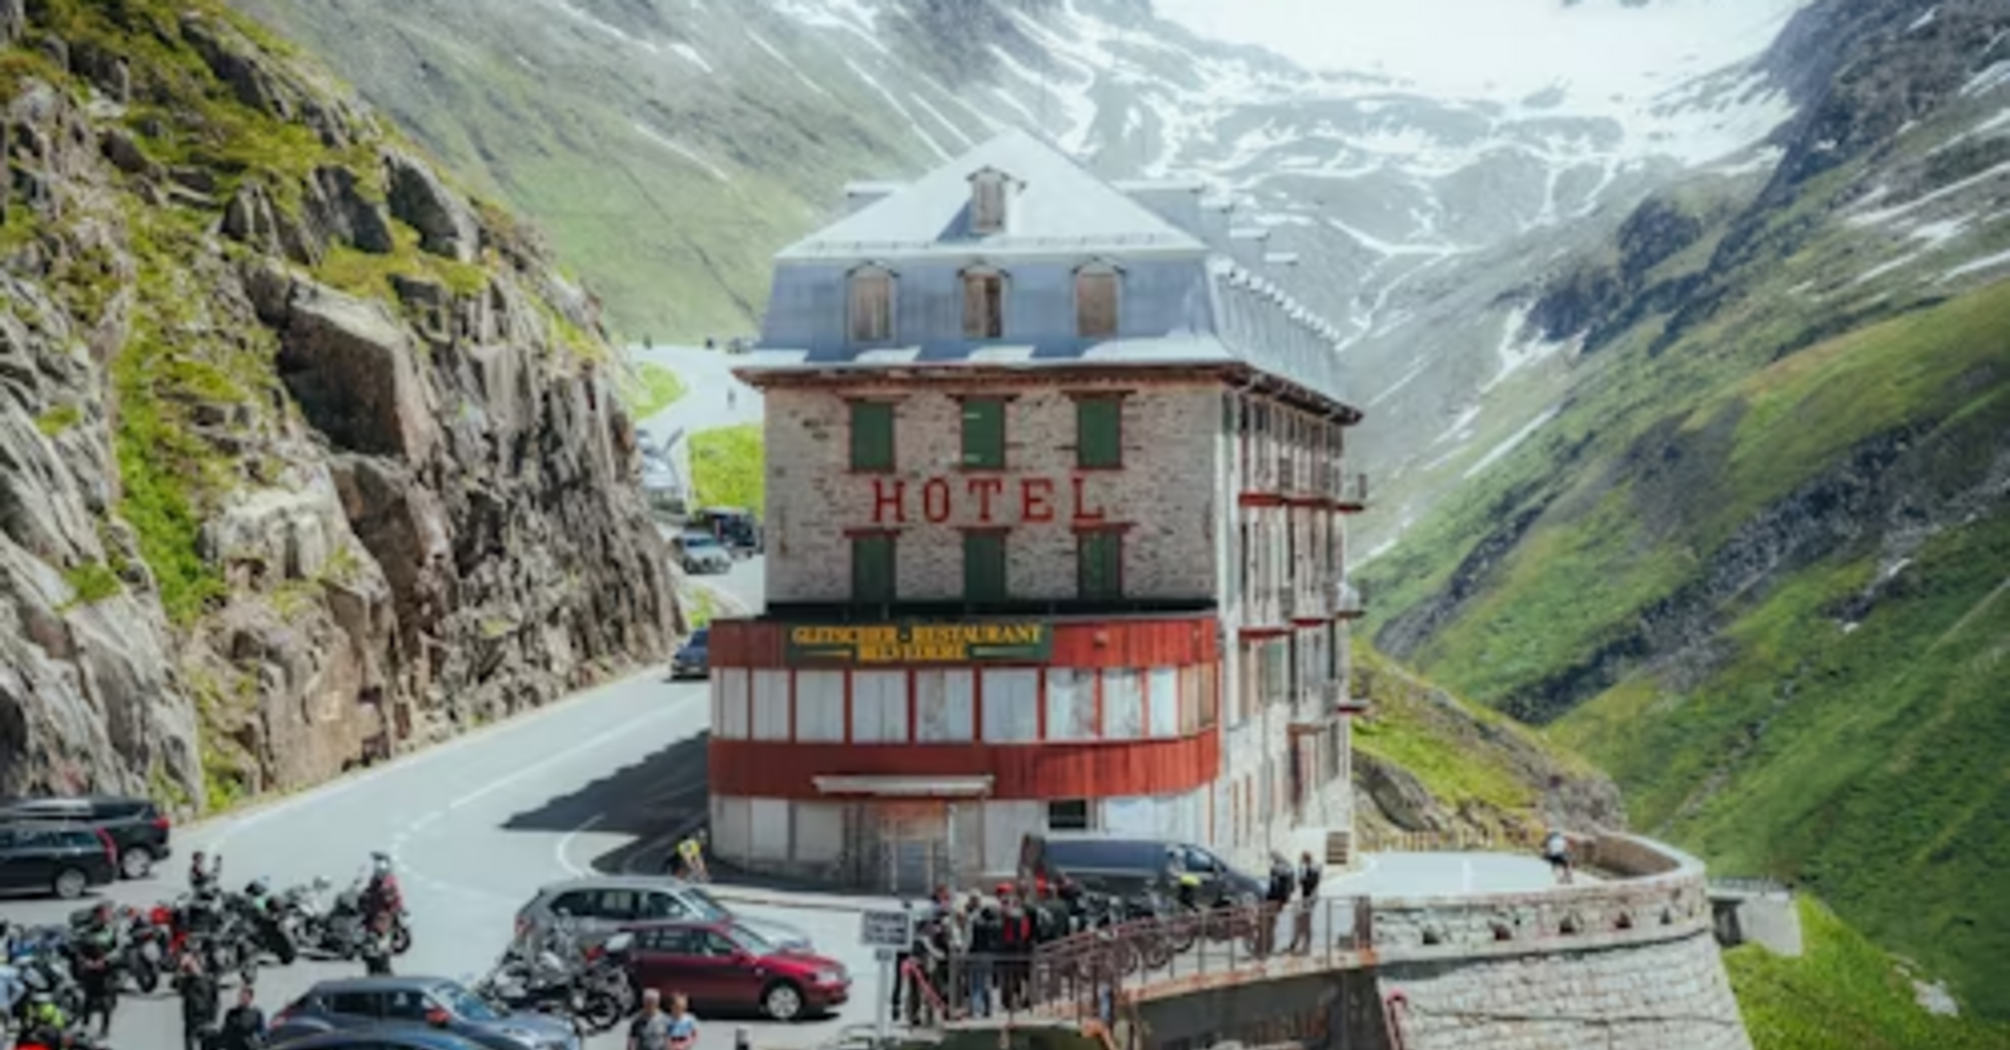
1278 895
94 945
1308 899
200 999
377 946
1556 850
656 1029
244 1026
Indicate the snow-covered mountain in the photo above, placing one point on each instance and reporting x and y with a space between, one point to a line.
1427 162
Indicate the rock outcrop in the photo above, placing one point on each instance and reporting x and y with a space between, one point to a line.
305 457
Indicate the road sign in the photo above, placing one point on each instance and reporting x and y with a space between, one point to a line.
886 929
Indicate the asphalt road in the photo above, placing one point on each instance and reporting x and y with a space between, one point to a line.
712 397
477 825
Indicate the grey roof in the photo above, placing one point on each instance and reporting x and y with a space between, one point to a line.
1059 206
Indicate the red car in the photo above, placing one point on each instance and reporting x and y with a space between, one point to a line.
724 965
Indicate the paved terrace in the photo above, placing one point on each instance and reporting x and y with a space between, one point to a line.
1422 951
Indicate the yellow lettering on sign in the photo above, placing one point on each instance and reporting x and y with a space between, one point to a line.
918 643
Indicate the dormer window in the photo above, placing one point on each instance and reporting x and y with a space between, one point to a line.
983 303
990 190
870 306
1096 288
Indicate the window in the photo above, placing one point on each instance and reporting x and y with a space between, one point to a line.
405 1004
984 433
664 906
983 304
354 1004
872 577
872 436
1096 302
1099 433
871 305
674 940
1099 564
619 905
984 566
1068 815
987 201
578 904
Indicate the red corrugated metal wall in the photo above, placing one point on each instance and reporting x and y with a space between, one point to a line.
757 769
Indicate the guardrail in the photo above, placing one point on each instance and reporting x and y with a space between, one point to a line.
1090 976
1749 885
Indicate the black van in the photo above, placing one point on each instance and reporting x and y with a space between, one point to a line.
137 828
1123 865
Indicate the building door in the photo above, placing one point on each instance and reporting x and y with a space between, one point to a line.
900 847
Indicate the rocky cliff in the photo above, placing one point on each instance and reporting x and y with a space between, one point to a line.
304 456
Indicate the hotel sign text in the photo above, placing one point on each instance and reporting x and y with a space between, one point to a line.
921 643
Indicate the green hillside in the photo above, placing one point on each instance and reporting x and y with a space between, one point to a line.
1843 994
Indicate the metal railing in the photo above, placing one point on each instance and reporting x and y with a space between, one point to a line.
1093 975
1349 490
1748 885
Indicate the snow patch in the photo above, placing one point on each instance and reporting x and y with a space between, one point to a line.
1517 352
1883 216
690 54
1462 427
894 102
1987 262
1924 20
682 150
1498 452
1995 76
792 67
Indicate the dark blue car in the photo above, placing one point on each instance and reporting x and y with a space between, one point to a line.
375 1003
692 660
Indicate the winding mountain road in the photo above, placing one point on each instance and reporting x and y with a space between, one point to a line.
476 825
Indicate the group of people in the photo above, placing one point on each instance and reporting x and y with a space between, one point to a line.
976 956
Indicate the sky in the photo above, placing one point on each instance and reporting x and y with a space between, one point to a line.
1500 48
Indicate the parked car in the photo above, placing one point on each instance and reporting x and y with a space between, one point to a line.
733 526
384 1037
598 907
137 827
1126 865
692 658
64 859
369 1005
703 554
725 965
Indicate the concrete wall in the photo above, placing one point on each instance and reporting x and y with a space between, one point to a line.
1165 492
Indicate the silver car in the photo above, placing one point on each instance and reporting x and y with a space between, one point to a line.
704 554
597 906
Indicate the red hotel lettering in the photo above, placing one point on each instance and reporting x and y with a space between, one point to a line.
935 500
1082 511
1035 495
984 489
882 501
939 502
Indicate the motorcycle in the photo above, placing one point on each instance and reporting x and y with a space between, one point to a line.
262 921
607 993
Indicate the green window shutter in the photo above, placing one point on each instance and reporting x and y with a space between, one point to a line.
871 435
872 569
1099 562
1099 432
984 567
984 433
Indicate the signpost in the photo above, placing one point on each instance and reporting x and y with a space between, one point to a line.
921 643
888 933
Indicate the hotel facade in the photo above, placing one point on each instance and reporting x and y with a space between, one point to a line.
1055 509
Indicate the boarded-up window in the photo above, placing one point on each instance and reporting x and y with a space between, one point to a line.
984 567
1096 302
1163 703
987 202
1123 704
872 436
942 707
984 433
771 705
1071 705
871 305
879 707
983 304
1011 706
820 706
872 568
1099 565
729 700
1099 432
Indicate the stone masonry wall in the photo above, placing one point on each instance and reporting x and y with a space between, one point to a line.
1165 492
1670 995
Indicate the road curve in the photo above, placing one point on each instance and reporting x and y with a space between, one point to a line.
476 825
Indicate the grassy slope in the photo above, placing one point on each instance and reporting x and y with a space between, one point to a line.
653 389
1843 994
1863 764
729 467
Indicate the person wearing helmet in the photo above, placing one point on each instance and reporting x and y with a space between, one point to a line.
95 944
201 999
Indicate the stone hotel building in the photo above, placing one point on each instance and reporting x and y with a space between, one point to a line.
1054 535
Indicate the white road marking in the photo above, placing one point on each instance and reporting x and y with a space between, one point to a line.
226 827
563 851
539 766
